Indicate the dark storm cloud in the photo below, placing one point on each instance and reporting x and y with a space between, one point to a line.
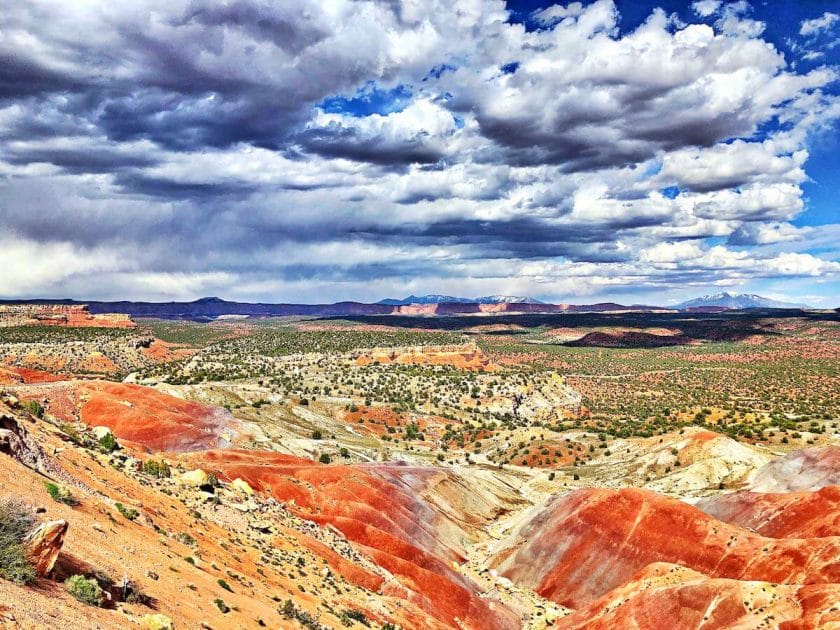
82 160
21 76
290 31
185 123
350 145
520 239
257 141
147 85
172 189
576 140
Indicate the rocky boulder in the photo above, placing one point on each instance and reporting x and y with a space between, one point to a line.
241 486
44 544
196 478
16 442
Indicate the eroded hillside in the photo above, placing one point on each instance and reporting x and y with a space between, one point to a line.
412 485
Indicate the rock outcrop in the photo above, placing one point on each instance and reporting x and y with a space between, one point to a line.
466 357
16 442
44 544
699 461
688 599
588 542
807 469
77 315
383 511
780 515
157 622
158 421
196 478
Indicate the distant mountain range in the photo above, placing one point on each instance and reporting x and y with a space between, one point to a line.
449 299
211 308
735 301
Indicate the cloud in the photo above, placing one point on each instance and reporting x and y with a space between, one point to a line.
47 266
768 233
585 99
303 150
416 134
731 165
734 21
727 263
817 25
705 8
557 12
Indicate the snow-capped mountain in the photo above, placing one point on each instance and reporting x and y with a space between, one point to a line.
737 301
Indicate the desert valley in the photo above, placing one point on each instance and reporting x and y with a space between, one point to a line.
420 315
588 469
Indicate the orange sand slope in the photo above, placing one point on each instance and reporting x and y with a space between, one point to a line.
372 507
620 558
590 541
780 515
141 415
668 595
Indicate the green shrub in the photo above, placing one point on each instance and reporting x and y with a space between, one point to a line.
15 523
108 443
186 539
34 407
133 595
156 468
325 458
306 620
288 609
317 435
221 605
412 431
85 590
224 585
62 495
127 512
349 616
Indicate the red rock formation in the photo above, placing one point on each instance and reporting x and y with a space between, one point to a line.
667 595
782 515
590 541
44 544
60 315
153 419
380 510
15 375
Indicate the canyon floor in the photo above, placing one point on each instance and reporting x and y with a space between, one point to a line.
493 472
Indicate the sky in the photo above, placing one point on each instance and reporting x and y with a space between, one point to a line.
636 151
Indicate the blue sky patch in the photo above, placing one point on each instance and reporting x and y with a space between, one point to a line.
672 192
510 68
368 100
